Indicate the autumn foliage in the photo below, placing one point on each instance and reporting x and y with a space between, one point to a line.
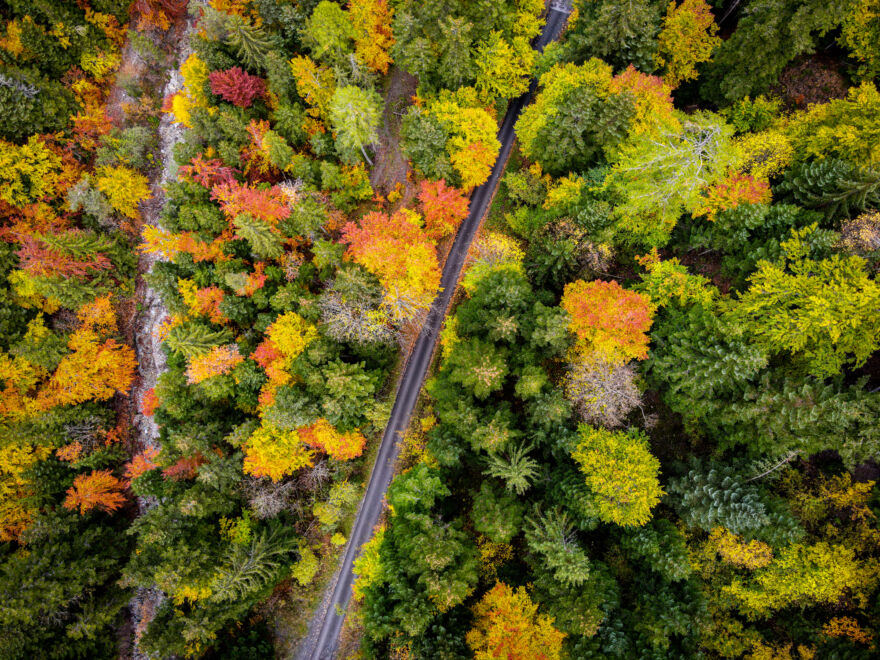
608 319
237 86
509 627
341 446
444 208
141 463
97 490
397 251
371 20
736 189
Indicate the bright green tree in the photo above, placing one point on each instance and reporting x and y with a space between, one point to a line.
824 312
355 114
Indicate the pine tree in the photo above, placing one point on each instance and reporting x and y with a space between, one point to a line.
551 536
249 41
192 339
661 547
496 513
711 496
264 241
837 187
515 467
247 569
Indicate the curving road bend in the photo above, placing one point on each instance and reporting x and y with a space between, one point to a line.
323 644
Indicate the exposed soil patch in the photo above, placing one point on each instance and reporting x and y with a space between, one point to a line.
812 79
707 264
391 168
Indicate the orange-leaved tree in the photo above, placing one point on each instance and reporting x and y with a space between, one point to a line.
97 490
93 371
508 627
399 253
729 193
341 446
444 207
608 319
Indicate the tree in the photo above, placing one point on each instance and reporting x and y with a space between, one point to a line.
608 320
479 366
715 496
444 208
290 334
660 546
340 446
861 237
216 362
769 35
371 21
274 453
16 514
124 188
729 193
688 38
619 33
27 172
330 32
859 32
508 626
193 339
249 41
621 472
97 490
237 86
820 311
496 513
515 467
504 68
801 575
700 359
62 592
355 114
315 84
660 176
552 537
734 550
845 128
575 118
471 142
837 187
93 371
603 392
399 254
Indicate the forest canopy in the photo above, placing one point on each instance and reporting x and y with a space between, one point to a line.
649 429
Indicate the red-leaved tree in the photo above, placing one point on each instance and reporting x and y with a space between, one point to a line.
237 86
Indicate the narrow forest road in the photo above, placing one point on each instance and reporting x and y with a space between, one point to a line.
323 637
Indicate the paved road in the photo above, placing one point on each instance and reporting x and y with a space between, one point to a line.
325 642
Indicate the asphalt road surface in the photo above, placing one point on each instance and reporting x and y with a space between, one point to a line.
324 643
